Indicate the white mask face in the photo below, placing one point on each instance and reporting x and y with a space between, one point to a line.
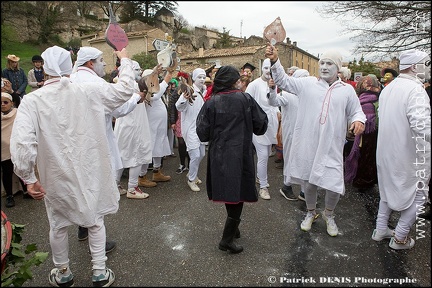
423 70
200 80
266 70
328 70
99 66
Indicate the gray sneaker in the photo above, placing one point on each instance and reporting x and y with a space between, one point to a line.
104 280
302 196
57 279
288 193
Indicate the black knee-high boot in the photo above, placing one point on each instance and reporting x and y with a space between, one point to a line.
227 242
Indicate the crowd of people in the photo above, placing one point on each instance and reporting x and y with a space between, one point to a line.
329 131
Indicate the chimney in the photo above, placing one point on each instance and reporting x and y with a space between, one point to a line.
295 43
201 52
288 40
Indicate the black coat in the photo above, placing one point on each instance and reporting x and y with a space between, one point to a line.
228 121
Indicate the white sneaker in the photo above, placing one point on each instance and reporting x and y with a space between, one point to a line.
197 180
408 243
264 194
122 191
193 185
332 229
377 235
257 181
136 193
310 218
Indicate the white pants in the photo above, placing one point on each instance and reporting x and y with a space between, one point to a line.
406 220
263 154
195 156
133 176
157 162
59 242
311 193
287 183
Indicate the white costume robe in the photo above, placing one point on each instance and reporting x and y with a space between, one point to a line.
158 120
85 74
404 127
319 133
133 136
61 128
189 113
289 105
258 89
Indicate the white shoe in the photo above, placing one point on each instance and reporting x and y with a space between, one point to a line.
310 218
194 187
408 243
264 194
197 180
377 235
257 181
122 191
136 193
332 229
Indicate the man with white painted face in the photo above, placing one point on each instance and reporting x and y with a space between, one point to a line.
190 106
326 105
90 67
404 149
259 89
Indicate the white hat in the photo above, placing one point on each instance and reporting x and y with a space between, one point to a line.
197 72
147 72
410 57
334 56
135 65
7 95
86 54
300 73
57 61
346 72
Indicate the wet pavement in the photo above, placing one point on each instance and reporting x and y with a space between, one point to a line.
171 239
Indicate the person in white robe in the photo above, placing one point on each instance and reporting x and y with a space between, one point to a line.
158 118
90 67
289 105
326 105
61 128
134 141
404 149
190 106
259 90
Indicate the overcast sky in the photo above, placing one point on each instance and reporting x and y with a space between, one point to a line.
302 23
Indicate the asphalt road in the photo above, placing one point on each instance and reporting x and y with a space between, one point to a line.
171 239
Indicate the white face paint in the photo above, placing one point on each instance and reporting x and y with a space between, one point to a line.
200 81
99 66
423 70
328 70
266 69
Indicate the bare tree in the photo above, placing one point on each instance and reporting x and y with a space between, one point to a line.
179 23
382 29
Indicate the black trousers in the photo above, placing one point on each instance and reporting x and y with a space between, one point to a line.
7 173
234 210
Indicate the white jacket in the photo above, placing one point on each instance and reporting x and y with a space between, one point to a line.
404 131
189 113
319 133
61 127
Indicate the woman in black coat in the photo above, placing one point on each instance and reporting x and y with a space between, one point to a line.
228 121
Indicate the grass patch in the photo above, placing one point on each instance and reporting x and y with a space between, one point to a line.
25 51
